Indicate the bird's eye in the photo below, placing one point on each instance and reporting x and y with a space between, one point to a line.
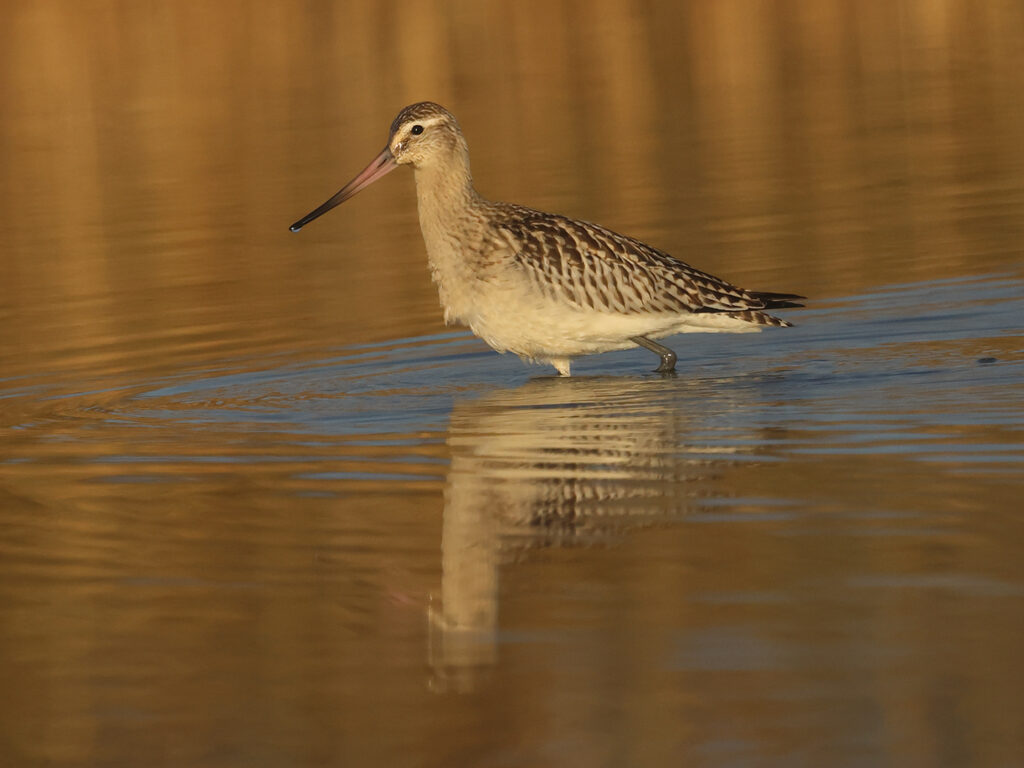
416 130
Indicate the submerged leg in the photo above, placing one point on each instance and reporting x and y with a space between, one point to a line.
668 357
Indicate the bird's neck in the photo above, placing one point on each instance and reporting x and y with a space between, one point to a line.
450 218
444 191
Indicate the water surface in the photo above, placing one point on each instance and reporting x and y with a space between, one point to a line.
260 507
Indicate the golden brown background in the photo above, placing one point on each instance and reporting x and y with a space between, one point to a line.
234 534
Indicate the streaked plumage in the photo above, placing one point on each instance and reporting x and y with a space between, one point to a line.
543 286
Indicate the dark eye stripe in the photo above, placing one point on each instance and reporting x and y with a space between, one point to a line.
417 130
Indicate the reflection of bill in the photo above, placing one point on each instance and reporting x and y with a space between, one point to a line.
556 461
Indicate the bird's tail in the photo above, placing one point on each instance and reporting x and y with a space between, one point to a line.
769 301
777 300
756 317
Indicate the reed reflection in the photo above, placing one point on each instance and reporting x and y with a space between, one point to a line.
557 462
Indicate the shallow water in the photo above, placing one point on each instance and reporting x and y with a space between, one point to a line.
261 508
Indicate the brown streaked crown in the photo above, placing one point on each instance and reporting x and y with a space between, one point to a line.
422 111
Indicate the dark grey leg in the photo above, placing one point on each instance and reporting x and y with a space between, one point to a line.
668 357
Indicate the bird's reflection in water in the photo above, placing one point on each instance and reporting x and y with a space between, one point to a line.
557 461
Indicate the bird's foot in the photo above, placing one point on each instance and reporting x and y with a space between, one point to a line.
668 363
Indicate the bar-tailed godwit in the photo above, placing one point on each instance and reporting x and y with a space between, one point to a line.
546 287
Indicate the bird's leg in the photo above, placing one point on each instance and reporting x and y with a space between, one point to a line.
561 365
668 357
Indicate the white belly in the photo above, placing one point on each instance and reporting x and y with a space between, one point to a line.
493 296
515 319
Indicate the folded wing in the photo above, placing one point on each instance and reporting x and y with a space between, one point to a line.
594 268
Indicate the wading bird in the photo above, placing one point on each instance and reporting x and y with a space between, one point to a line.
543 286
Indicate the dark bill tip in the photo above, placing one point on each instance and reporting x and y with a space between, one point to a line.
381 165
